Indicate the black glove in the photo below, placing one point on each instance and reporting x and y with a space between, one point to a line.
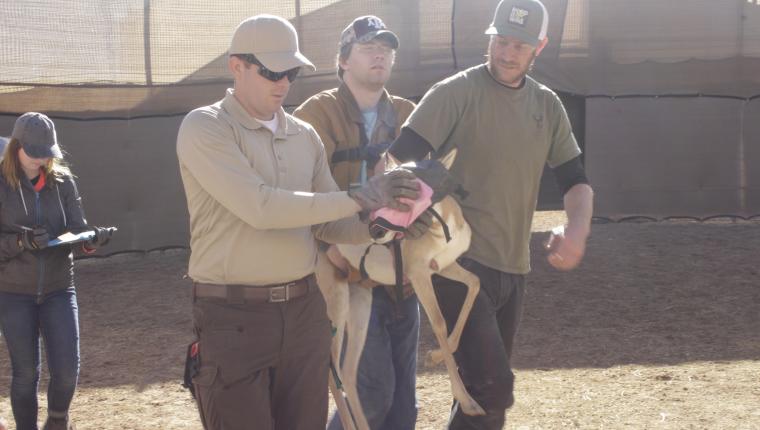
36 238
419 226
102 236
384 190
435 174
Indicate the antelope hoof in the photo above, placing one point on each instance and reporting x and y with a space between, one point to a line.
471 407
434 357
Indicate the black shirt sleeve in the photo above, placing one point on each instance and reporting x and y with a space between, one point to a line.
410 146
570 173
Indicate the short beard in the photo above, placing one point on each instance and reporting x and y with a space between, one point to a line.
494 71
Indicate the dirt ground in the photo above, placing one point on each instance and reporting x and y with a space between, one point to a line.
658 329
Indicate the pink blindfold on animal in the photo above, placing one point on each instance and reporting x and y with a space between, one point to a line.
385 219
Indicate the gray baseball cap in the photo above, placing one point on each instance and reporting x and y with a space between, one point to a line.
526 20
273 40
36 134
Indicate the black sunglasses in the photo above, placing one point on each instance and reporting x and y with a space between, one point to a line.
268 74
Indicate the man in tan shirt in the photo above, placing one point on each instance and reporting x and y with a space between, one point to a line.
259 191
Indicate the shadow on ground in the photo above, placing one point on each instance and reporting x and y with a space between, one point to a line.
655 293
647 294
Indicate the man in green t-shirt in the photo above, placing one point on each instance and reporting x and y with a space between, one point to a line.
506 127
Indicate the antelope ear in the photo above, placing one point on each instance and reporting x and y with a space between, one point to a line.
448 159
391 162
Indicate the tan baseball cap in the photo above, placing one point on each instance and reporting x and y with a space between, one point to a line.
526 20
273 40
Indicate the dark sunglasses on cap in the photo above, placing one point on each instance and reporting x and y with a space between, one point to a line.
268 74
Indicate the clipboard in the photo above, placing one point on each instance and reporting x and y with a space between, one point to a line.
71 238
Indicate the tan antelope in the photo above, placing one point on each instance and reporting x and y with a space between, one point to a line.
348 306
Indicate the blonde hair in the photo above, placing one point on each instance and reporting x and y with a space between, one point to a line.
10 166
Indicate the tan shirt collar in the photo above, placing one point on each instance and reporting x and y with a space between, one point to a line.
285 126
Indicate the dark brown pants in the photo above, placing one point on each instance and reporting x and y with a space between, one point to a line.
264 366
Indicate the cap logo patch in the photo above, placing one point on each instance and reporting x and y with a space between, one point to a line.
375 23
518 16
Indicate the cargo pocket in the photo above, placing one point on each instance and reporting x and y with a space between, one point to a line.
239 353
206 376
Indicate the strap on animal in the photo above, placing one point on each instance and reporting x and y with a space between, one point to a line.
334 371
362 267
341 389
446 232
398 265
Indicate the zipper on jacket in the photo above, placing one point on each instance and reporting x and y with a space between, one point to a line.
40 258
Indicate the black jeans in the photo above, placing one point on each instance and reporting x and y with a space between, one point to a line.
485 351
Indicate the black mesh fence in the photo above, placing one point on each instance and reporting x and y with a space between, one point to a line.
662 94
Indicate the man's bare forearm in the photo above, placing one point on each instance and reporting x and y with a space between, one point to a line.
579 207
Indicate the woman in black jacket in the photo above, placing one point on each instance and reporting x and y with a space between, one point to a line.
38 202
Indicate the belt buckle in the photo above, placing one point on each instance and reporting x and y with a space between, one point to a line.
280 293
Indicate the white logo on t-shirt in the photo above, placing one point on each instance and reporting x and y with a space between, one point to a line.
518 16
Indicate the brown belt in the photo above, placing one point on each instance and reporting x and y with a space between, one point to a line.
251 293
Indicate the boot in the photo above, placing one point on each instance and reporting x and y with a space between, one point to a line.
58 424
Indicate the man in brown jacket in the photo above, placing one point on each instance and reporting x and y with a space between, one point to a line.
256 181
357 121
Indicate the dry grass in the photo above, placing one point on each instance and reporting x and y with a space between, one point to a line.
658 329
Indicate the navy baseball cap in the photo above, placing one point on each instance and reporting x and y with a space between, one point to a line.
366 28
